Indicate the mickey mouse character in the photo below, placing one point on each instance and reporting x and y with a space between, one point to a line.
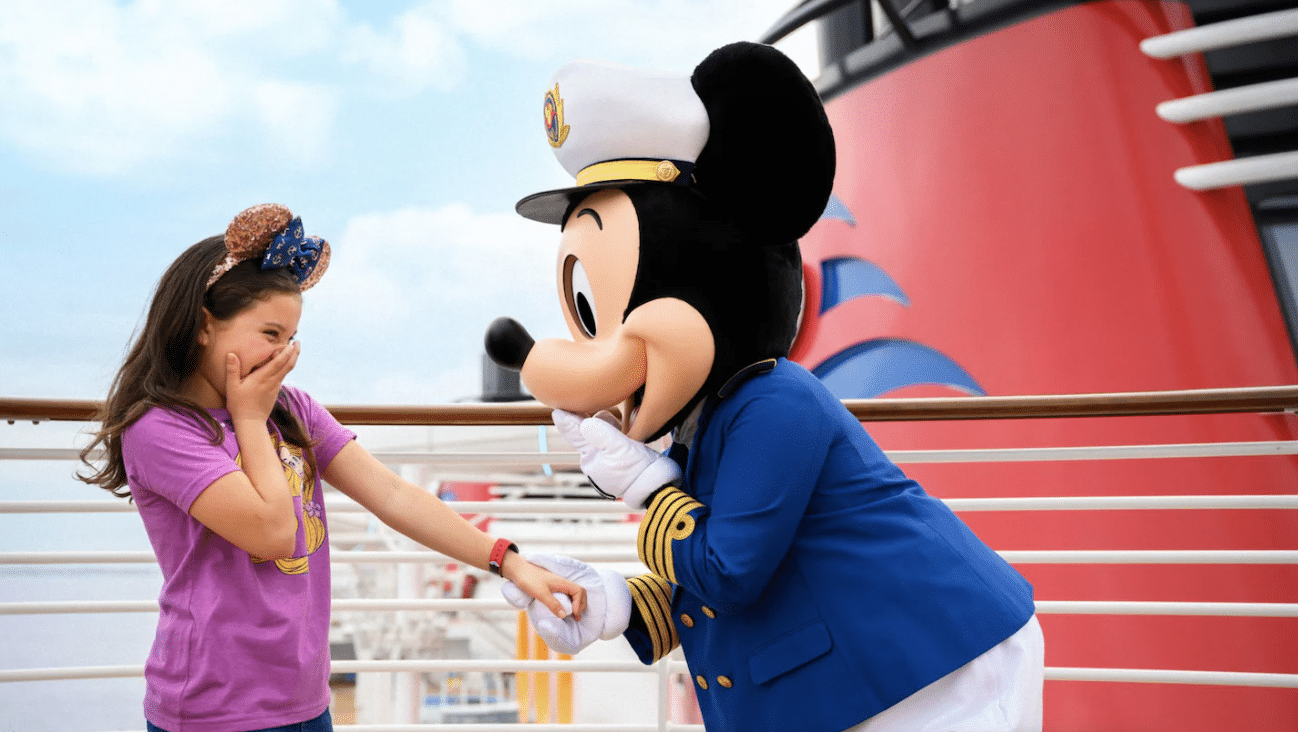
810 583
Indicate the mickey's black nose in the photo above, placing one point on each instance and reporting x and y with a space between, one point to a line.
508 343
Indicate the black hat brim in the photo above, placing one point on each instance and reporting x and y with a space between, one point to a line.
548 207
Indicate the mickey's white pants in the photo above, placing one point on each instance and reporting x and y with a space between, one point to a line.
999 691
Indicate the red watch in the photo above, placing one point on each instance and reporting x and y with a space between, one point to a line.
497 557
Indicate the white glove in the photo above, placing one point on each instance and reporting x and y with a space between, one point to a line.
608 605
619 466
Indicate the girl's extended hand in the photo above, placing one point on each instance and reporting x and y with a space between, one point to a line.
541 584
253 396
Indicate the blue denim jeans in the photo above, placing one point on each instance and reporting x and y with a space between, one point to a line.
322 723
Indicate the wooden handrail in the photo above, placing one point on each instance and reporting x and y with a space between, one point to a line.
1123 404
1197 401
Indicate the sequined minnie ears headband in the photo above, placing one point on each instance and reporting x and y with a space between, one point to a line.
272 232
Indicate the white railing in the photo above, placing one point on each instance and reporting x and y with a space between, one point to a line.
1238 100
1283 398
1045 607
1239 172
1226 34
1045 556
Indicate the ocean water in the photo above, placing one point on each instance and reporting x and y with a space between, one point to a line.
72 639
75 639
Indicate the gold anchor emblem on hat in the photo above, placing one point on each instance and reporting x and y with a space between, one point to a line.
555 129
666 171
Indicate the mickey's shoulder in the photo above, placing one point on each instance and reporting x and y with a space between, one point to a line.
776 383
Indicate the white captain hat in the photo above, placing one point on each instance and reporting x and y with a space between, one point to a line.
612 125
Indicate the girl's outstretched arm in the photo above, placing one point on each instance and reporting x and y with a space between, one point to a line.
423 517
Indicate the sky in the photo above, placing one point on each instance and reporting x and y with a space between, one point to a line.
402 132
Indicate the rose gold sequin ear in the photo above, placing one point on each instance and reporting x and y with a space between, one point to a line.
249 233
254 228
320 266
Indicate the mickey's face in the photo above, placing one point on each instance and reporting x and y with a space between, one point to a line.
600 246
664 345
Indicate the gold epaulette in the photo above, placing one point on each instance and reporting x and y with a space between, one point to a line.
667 519
653 598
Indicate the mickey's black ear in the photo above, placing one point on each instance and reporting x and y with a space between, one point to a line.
769 160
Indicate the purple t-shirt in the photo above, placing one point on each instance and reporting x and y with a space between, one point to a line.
242 643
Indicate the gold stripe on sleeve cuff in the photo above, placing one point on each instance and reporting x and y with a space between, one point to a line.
653 598
667 519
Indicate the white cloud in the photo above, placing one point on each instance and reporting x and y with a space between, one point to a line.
296 117
418 51
102 88
425 45
394 259
106 88
291 27
402 311
671 35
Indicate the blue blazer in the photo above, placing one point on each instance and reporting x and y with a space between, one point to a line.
810 583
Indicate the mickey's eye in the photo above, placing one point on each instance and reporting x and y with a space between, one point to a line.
580 297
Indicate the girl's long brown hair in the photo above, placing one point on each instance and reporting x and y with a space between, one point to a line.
167 352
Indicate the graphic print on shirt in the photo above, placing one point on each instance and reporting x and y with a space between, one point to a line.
301 485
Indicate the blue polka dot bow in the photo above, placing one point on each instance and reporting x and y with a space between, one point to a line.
293 250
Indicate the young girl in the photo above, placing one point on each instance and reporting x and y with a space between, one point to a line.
224 462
